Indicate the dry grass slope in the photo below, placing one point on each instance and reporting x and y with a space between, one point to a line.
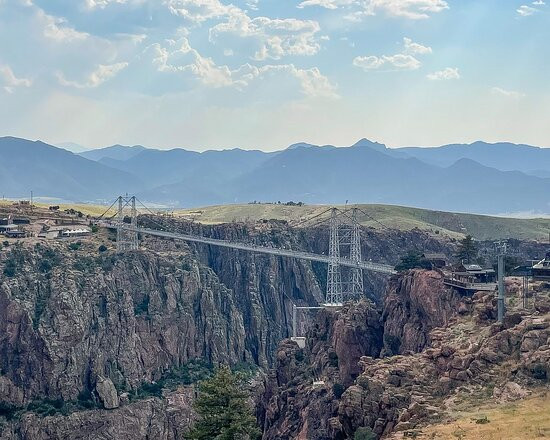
399 217
525 420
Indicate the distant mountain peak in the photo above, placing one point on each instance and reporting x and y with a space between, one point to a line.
301 145
370 144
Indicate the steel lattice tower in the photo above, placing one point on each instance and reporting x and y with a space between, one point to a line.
334 277
345 235
355 274
126 240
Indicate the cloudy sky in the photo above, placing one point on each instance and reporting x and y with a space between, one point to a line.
267 73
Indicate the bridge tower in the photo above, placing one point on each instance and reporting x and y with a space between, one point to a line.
334 277
345 235
356 273
126 240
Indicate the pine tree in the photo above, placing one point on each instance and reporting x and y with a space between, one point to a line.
223 409
467 250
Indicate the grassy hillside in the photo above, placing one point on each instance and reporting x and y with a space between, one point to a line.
376 216
453 224
86 209
528 419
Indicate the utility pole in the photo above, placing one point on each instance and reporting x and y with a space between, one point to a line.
294 320
501 289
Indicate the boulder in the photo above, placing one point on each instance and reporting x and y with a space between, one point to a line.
107 393
510 392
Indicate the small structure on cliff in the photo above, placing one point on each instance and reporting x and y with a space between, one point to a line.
437 260
541 270
471 277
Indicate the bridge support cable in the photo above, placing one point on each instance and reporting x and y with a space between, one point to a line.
344 240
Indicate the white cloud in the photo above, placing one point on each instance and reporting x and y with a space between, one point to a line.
415 48
526 11
9 81
328 4
539 3
96 78
275 38
253 4
185 59
313 83
199 11
56 29
101 4
445 74
507 93
400 61
411 9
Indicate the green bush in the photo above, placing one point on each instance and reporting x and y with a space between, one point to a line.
364 434
6 243
10 269
46 407
94 228
482 420
38 311
392 343
107 262
333 359
8 410
102 248
45 265
75 246
187 374
85 264
413 260
15 261
142 308
539 372
338 389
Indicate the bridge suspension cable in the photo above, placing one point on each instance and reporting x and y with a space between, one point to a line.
344 233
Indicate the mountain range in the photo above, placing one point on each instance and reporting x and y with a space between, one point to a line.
479 177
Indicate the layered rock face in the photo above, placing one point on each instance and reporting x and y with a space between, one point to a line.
166 419
415 303
406 391
76 321
301 399
64 331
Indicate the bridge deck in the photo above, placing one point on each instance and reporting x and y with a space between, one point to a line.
367 265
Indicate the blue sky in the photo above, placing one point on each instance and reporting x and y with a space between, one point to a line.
264 74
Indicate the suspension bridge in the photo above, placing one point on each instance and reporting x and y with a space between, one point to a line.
344 246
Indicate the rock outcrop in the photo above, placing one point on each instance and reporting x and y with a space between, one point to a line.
160 419
415 303
301 397
107 393
456 349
